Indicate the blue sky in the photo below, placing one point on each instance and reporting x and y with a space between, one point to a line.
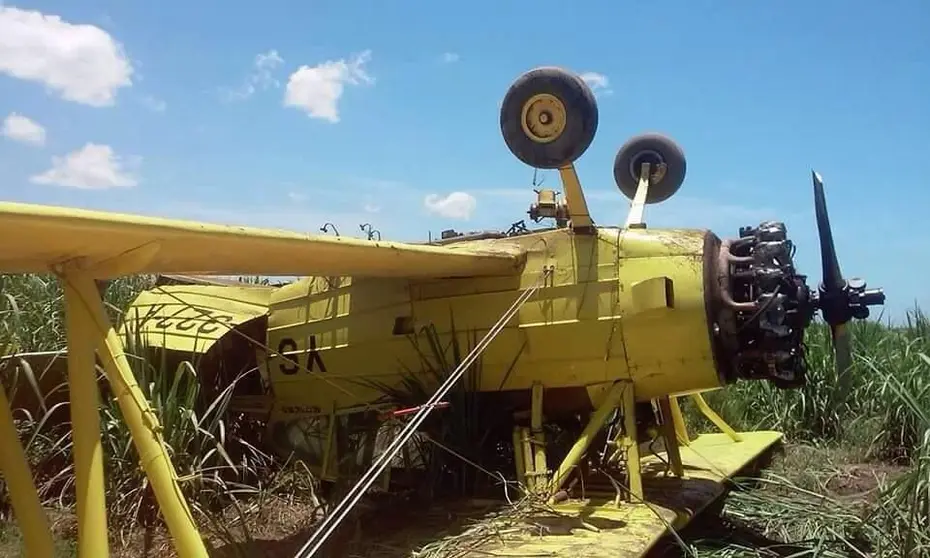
292 114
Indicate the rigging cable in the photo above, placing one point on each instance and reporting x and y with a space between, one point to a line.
333 520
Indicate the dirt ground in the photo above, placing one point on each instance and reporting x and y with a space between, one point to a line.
396 528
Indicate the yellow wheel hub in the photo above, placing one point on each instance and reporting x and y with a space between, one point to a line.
543 118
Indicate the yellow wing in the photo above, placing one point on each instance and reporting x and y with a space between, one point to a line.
37 238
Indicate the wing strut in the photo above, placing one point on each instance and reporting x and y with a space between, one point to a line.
89 328
332 521
27 509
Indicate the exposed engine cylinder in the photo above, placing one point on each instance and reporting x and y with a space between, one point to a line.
763 307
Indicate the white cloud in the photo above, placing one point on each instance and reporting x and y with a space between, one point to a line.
597 82
264 64
450 57
457 205
21 129
317 89
262 77
93 167
153 104
81 62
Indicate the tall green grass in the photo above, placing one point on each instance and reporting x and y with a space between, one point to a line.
890 372
882 416
223 471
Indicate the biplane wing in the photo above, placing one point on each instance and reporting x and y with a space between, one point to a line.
37 238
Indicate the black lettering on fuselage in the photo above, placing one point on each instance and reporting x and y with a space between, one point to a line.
212 320
211 326
314 355
301 409
150 313
290 364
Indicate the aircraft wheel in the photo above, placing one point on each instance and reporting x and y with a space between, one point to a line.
548 117
654 149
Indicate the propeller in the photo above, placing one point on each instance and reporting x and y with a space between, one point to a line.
839 300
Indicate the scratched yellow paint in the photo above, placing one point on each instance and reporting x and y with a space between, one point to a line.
587 326
190 318
586 313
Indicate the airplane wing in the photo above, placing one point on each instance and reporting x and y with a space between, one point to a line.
36 238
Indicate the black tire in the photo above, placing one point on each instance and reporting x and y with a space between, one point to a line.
654 148
581 117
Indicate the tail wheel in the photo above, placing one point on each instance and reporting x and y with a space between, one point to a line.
548 117
655 149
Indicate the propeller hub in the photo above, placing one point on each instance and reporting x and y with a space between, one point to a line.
838 306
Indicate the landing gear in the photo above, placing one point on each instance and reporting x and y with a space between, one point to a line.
548 118
666 166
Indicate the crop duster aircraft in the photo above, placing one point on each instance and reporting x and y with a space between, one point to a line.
614 324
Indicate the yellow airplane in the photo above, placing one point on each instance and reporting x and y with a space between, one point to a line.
614 324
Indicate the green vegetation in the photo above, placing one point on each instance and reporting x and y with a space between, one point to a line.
229 482
854 479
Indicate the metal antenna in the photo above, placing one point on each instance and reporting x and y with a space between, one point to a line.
370 231
325 228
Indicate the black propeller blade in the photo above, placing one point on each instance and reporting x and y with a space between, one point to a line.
832 276
839 300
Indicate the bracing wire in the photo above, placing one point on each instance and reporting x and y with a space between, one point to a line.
332 521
